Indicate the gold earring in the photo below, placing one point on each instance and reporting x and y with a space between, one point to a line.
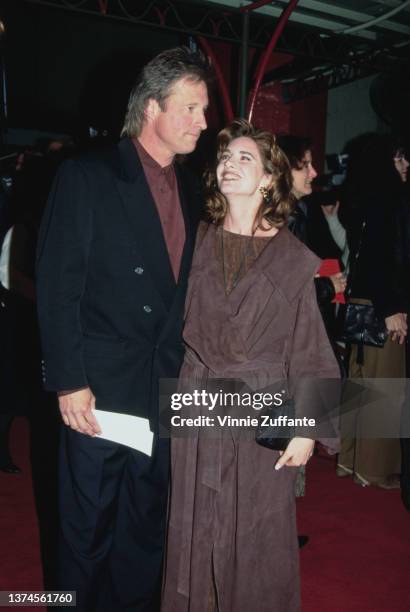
265 193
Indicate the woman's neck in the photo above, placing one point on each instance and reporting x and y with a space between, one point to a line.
240 220
244 223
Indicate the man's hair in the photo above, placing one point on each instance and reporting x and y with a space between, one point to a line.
294 148
156 80
278 201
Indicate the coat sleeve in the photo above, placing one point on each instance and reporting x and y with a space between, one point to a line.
325 291
314 376
62 258
381 268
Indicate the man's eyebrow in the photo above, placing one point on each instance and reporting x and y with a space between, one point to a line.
197 104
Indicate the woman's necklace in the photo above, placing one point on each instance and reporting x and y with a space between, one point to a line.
238 274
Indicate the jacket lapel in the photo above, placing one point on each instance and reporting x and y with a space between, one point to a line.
143 217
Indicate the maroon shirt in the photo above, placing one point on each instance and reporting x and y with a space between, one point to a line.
164 189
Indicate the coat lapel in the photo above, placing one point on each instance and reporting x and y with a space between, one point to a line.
280 262
288 264
143 217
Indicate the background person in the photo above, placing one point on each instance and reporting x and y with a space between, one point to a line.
402 259
298 150
374 189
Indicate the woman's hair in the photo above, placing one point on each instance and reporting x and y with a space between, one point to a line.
295 148
278 203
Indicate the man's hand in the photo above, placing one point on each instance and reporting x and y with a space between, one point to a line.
298 452
76 411
331 210
339 282
397 326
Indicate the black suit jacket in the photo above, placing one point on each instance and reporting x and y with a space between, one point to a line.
110 310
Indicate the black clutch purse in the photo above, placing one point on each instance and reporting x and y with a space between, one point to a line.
274 431
362 326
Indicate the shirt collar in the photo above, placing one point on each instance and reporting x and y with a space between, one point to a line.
149 161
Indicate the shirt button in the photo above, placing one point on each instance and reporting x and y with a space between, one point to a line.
147 308
139 270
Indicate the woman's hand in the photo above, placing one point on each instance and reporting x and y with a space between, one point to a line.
339 282
298 452
397 326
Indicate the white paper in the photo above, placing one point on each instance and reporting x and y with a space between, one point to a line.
126 429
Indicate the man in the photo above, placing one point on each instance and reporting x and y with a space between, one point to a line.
114 256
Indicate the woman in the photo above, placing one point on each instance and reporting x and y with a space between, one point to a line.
375 187
251 314
299 153
298 150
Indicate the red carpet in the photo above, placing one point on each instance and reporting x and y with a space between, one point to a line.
20 565
358 556
357 559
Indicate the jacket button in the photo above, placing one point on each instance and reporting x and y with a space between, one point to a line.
147 308
139 270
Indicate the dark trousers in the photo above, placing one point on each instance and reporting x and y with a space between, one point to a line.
113 504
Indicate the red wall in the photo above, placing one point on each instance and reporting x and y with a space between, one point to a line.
305 117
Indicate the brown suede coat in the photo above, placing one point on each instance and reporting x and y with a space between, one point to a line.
232 516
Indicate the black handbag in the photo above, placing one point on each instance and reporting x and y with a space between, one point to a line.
273 430
361 324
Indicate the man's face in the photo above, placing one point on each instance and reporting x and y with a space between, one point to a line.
177 128
303 177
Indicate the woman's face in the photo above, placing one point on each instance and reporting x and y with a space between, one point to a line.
303 176
240 170
401 164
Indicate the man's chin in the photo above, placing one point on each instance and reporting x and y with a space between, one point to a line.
188 149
